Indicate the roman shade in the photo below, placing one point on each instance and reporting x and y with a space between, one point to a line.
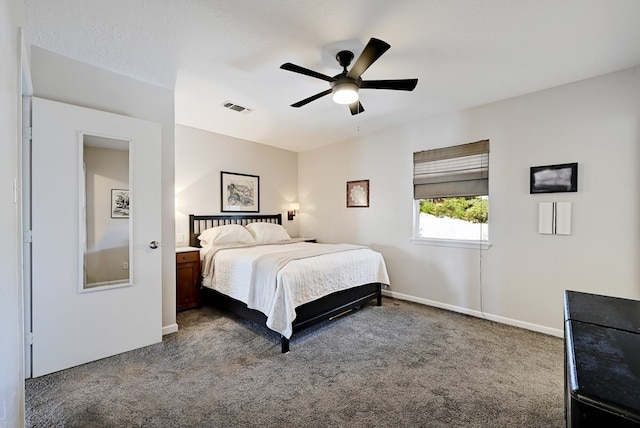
452 171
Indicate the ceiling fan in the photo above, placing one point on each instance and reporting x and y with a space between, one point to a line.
345 86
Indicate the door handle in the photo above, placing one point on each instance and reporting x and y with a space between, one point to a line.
154 244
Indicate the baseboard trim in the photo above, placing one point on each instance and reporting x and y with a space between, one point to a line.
168 329
497 318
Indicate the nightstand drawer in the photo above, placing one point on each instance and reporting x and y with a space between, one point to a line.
190 256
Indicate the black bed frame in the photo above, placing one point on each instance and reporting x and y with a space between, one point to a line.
323 309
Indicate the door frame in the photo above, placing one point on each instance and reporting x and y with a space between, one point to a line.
24 194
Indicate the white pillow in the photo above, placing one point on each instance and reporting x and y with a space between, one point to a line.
265 233
227 234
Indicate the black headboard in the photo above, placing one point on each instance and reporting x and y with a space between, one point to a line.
199 223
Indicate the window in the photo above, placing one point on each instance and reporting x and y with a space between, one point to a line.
451 192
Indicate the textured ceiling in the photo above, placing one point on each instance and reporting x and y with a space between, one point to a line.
464 52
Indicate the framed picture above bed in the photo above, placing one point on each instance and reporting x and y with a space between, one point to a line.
239 192
358 193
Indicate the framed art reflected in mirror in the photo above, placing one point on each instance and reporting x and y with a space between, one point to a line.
119 203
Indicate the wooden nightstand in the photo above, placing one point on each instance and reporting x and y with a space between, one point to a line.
187 278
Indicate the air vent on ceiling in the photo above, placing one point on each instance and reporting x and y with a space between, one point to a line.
236 107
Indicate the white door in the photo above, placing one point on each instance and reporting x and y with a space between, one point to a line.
73 325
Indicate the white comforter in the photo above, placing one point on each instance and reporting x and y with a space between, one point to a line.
277 285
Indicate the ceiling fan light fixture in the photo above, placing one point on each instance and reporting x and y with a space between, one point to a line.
345 93
345 85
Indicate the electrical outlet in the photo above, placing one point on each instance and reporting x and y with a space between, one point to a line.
125 265
179 237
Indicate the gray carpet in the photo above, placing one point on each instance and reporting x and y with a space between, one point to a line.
398 365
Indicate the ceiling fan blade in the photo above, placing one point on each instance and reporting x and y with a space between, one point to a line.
297 69
311 98
374 50
398 84
356 108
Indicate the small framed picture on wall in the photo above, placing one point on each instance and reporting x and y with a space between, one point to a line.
358 194
554 178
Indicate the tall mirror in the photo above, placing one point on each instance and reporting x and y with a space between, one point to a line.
105 231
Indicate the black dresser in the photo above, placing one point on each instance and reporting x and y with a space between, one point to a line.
602 361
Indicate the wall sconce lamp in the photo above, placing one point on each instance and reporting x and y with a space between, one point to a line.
293 210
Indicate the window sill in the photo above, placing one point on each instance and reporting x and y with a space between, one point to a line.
453 243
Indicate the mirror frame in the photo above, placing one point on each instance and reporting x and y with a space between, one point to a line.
109 143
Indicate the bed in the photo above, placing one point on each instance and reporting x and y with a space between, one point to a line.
314 304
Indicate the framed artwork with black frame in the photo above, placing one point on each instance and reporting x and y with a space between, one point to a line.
554 178
119 203
239 192
358 194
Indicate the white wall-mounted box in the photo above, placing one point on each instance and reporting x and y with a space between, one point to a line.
554 218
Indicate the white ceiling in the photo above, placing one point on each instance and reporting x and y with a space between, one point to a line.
464 52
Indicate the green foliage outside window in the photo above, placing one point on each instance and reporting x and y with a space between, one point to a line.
472 209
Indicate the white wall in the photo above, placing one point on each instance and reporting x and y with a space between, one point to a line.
62 79
521 278
201 155
11 330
